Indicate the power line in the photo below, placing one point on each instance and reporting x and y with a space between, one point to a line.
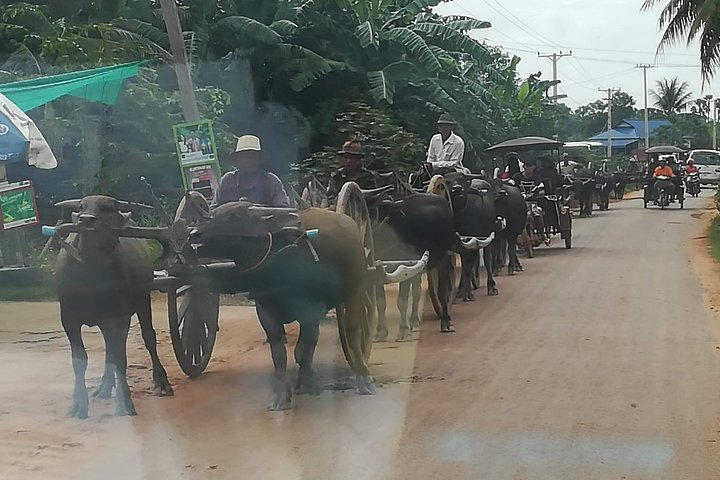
555 58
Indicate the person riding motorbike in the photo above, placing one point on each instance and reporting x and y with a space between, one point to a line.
663 170
690 167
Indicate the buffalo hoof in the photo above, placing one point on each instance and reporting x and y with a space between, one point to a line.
364 385
446 326
125 407
492 292
381 336
163 388
104 390
281 401
307 383
78 410
403 334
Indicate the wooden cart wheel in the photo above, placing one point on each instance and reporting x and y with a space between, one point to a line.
438 186
193 326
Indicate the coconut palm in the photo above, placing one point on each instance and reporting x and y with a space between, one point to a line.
671 96
689 20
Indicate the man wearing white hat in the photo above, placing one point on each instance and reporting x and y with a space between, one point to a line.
250 180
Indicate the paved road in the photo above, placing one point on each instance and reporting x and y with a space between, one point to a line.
597 363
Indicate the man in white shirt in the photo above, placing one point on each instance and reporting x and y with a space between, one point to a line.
446 149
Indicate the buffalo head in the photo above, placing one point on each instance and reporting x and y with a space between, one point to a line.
102 212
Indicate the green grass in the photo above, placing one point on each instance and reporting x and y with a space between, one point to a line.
714 236
30 293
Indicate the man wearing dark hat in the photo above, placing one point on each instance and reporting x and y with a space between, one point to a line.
446 149
351 171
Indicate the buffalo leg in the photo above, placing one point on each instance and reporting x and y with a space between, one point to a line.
161 383
513 260
444 290
468 261
116 335
416 285
382 330
402 304
79 406
352 325
307 381
107 383
491 288
275 332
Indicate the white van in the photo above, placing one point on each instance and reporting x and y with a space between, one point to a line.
708 161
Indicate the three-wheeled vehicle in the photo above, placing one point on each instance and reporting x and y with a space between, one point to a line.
669 188
552 199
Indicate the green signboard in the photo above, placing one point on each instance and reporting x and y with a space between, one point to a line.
17 204
197 156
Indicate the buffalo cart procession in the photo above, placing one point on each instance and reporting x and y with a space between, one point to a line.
336 249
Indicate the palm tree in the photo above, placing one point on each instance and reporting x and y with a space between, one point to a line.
689 20
671 96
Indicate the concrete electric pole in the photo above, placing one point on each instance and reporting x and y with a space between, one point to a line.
609 92
555 57
182 67
644 67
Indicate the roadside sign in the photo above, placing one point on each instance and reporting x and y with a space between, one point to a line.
197 156
17 205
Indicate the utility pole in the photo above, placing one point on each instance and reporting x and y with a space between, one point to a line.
644 67
182 67
555 57
609 92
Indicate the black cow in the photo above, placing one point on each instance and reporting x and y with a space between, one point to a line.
102 280
619 180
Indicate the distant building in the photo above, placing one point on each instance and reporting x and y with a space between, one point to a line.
629 135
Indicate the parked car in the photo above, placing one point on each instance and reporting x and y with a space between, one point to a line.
708 161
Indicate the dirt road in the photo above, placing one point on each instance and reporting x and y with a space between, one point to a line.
602 362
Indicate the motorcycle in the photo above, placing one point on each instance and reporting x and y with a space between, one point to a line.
664 191
693 184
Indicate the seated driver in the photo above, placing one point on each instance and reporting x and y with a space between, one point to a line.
663 169
691 168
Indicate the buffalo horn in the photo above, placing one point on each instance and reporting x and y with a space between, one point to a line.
72 203
270 210
404 272
132 206
476 243
393 203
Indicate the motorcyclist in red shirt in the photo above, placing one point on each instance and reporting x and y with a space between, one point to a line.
691 168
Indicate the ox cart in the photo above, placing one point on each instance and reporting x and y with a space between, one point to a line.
557 218
186 279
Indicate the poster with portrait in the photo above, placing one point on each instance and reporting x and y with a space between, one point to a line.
202 178
17 205
195 143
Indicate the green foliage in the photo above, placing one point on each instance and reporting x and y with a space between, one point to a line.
685 125
386 145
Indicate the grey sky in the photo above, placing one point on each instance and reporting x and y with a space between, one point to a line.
607 40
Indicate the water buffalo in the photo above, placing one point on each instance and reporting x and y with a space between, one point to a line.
102 280
510 205
603 188
475 214
619 180
424 222
298 280
584 186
